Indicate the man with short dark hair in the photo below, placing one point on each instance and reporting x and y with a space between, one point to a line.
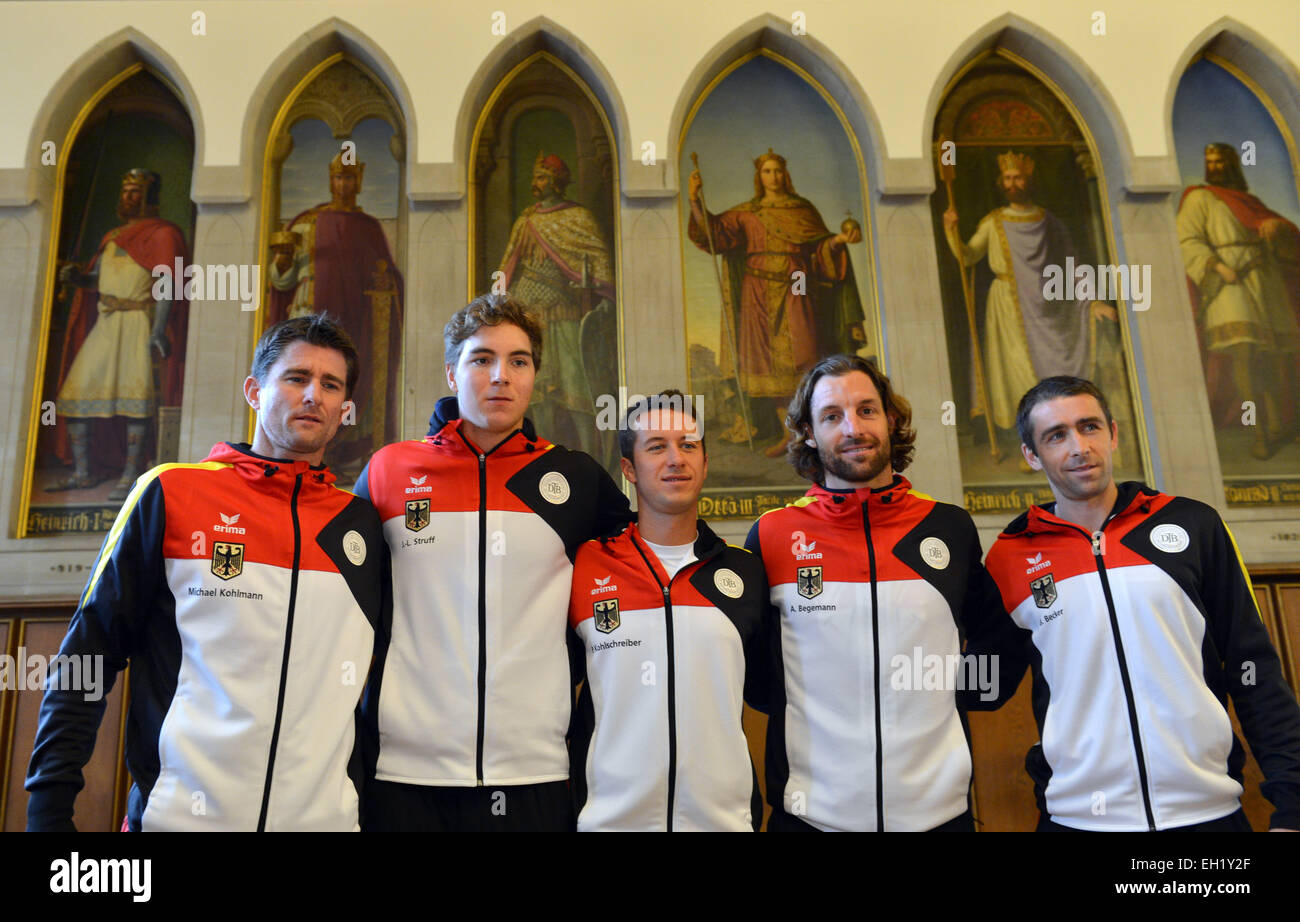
471 697
1143 621
868 575
245 592
670 622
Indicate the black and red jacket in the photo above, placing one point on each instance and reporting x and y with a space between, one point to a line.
245 593
877 593
1140 633
657 740
474 686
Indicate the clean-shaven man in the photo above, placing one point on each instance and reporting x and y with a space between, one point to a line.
1143 622
245 592
670 622
472 695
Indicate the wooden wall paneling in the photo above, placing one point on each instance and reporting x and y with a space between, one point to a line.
755 724
1004 795
96 805
1287 616
1258 810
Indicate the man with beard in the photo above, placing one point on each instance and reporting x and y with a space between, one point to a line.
113 330
867 575
1025 336
557 266
1243 271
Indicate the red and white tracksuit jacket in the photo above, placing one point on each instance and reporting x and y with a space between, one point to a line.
873 589
1139 635
474 686
246 593
657 742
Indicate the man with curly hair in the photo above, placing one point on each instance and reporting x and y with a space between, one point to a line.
877 588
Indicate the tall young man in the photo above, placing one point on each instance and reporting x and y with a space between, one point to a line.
245 592
1143 622
874 583
472 695
670 622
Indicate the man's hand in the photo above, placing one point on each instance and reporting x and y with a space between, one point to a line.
1227 273
159 341
950 219
852 236
695 186
1103 311
1270 228
70 274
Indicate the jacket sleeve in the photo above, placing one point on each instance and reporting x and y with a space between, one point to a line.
362 486
114 608
613 511
1266 706
995 645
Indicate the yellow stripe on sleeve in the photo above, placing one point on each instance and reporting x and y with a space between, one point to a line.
1244 572
119 524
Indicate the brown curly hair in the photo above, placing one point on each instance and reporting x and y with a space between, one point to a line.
487 311
798 418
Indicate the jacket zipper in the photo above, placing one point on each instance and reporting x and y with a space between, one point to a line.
875 666
482 615
482 599
284 662
672 674
1095 540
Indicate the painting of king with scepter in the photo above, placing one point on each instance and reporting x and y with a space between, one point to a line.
788 290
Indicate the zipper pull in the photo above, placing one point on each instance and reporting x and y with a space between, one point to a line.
1098 540
666 595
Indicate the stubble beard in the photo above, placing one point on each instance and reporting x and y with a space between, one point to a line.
859 473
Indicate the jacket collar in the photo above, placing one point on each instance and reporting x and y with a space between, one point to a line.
838 504
1134 498
631 543
266 470
444 432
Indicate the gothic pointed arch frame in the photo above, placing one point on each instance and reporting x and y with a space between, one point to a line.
1266 487
749 501
141 64
1059 107
601 150
341 115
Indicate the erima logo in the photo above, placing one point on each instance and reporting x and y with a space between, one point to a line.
418 485
802 548
602 585
229 528
1036 563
